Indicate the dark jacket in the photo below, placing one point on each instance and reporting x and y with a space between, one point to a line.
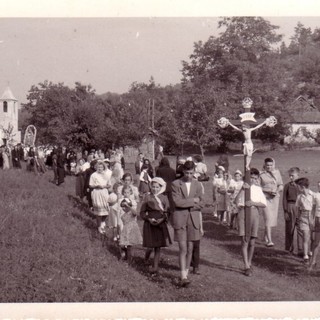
168 175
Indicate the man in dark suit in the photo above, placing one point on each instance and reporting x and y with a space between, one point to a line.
139 162
187 195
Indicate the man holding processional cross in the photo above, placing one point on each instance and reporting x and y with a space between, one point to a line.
251 197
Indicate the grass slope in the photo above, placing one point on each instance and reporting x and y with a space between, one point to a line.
51 251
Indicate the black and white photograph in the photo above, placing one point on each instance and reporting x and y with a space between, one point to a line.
156 157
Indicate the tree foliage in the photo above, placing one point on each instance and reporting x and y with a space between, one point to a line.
241 62
66 116
247 59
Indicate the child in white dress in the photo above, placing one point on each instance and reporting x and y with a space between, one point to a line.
130 234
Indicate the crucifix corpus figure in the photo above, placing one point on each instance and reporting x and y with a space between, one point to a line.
246 118
247 145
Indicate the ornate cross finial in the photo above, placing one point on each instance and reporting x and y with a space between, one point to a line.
271 121
247 103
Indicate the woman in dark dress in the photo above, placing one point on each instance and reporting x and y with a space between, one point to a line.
154 212
15 154
60 162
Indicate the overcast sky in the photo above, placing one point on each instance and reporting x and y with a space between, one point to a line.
108 53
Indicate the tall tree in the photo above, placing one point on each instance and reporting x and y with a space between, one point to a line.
240 62
67 116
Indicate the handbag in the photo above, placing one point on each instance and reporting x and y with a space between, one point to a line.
203 177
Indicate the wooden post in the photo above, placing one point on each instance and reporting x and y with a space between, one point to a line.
247 210
152 126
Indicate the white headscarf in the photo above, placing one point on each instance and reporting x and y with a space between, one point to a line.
163 186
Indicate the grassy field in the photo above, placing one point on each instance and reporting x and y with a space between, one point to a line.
51 251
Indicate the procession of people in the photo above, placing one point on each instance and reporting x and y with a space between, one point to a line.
169 202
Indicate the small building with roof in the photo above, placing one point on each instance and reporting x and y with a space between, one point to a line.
304 120
9 115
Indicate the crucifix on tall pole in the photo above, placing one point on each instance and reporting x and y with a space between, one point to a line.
152 131
246 120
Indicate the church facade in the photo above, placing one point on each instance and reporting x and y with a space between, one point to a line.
9 131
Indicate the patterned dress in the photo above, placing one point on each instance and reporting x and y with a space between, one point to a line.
130 234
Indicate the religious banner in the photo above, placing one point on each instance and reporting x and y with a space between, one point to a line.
30 136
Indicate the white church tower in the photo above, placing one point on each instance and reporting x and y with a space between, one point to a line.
9 116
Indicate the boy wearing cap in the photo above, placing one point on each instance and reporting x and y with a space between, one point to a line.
257 200
290 194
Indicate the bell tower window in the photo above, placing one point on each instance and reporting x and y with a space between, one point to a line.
5 106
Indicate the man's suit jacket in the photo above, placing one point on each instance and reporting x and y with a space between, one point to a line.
137 166
184 203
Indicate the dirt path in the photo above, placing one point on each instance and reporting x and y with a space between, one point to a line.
277 275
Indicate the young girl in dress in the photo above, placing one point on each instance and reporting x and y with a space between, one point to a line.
234 188
130 234
145 180
154 211
220 194
99 183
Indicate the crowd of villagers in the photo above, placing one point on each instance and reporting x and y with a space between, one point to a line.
170 202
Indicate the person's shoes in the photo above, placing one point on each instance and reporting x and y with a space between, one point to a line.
115 239
300 254
270 244
153 271
306 259
224 222
102 230
310 254
248 272
196 271
184 282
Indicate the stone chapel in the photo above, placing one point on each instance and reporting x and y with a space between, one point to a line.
9 118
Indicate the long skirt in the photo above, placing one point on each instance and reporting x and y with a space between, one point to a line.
61 175
156 236
221 201
42 166
270 212
100 202
80 186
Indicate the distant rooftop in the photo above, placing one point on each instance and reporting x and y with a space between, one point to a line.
305 117
8 95
302 110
